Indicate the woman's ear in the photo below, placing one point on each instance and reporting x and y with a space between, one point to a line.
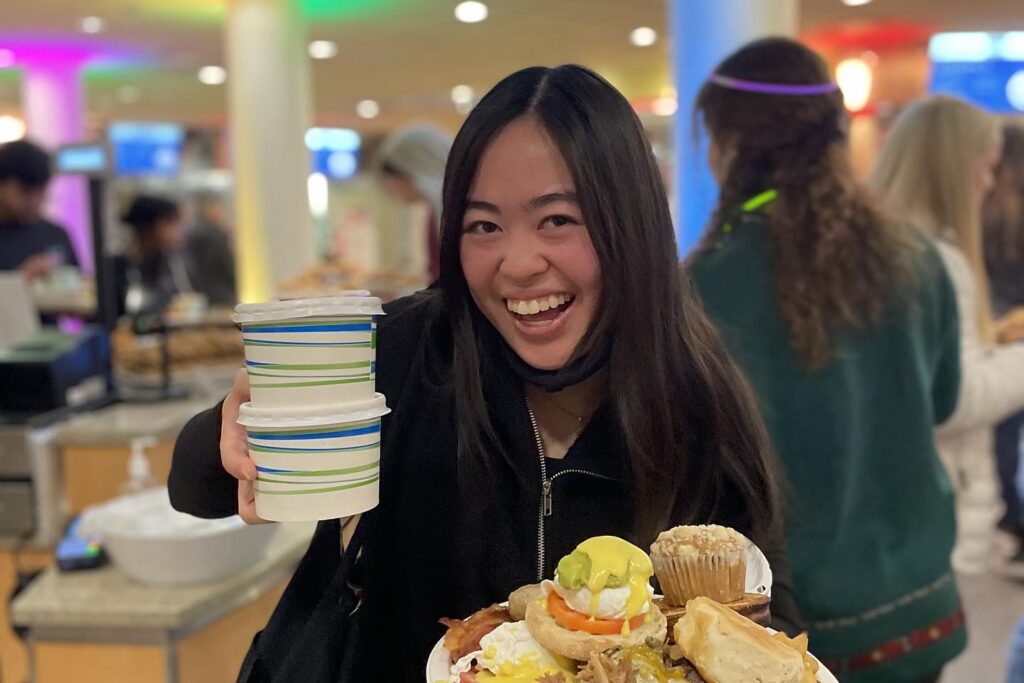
720 156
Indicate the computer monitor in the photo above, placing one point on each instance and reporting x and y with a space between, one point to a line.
146 149
84 159
986 69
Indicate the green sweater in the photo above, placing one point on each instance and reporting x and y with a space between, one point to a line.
871 514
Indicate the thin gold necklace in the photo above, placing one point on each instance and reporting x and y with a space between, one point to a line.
579 418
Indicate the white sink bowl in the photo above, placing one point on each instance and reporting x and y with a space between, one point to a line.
155 544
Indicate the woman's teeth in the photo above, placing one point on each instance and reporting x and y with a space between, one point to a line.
534 306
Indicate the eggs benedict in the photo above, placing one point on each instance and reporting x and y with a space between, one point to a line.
601 598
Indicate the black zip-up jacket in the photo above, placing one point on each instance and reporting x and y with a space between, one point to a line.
434 547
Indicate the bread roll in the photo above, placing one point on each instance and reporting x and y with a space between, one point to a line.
728 648
752 606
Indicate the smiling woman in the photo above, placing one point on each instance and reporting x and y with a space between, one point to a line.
525 249
552 190
560 384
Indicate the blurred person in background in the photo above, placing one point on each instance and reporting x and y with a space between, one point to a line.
1004 257
1015 660
1004 225
153 272
412 161
209 254
29 242
846 325
1015 663
940 188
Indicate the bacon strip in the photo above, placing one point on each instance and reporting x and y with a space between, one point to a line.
464 636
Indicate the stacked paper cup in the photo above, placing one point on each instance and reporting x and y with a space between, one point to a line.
314 420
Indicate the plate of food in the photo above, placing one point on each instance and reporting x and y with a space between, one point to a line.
599 621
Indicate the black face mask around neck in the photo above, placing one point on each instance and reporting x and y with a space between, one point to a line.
576 371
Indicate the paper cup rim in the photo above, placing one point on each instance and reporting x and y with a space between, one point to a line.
355 304
357 411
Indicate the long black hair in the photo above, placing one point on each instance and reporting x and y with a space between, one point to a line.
695 440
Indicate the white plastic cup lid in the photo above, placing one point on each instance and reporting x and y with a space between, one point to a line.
341 413
309 308
312 294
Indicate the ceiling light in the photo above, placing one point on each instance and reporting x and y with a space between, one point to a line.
462 98
966 46
367 109
318 193
11 128
645 36
856 3
1015 90
1011 46
92 25
6 58
213 75
665 106
462 94
471 12
323 49
333 140
854 78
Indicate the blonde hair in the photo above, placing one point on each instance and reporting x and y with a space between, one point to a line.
926 173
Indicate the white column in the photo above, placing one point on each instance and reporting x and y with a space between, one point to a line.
53 104
269 104
703 33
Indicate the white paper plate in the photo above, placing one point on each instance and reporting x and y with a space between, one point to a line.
439 662
439 666
759 572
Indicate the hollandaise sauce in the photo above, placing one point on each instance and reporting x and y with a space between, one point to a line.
526 670
649 665
611 556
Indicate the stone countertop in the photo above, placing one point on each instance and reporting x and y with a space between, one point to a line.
120 423
108 599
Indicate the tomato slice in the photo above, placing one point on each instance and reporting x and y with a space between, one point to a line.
575 621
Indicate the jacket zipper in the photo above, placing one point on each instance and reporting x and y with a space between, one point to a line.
547 497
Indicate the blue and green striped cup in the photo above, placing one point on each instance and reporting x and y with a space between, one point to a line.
310 353
316 464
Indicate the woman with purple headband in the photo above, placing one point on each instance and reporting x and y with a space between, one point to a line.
846 325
